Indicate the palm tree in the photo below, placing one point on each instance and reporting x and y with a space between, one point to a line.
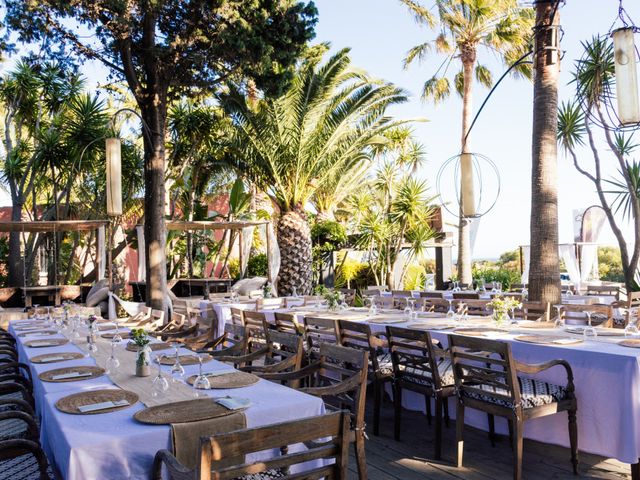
293 145
501 27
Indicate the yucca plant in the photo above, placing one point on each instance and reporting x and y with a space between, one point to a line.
321 129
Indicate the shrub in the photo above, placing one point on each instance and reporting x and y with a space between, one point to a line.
414 277
354 275
496 274
610 264
258 265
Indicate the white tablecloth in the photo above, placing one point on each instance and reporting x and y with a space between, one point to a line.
113 445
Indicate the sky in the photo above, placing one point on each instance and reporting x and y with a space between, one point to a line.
380 32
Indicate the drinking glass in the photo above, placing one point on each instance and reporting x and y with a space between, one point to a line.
513 319
294 292
234 295
499 287
407 309
482 287
177 370
201 382
525 294
36 312
631 329
450 312
112 362
559 323
117 338
460 311
493 287
589 330
160 384
373 308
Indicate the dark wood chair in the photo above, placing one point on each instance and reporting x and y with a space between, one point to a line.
287 322
318 330
421 366
487 379
359 336
339 377
349 295
534 311
601 315
466 296
431 295
606 290
236 316
234 446
234 342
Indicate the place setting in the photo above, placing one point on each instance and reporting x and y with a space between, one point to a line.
71 374
52 342
191 410
92 402
56 357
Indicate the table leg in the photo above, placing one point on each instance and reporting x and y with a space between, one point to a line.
27 300
635 471
58 297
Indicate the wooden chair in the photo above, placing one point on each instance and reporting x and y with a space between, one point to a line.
630 307
421 366
534 311
359 336
605 290
233 342
474 307
236 316
313 300
318 330
431 295
401 293
518 287
269 303
466 296
487 379
377 288
339 377
256 324
234 446
601 315
287 322
349 295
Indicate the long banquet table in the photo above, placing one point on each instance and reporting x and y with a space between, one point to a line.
115 446
607 380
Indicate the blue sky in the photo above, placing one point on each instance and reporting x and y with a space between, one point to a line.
379 33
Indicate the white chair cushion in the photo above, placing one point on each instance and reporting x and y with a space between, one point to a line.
246 285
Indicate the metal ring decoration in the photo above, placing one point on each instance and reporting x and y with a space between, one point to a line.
455 162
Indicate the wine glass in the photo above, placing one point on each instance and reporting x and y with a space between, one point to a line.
460 312
294 292
450 312
36 312
559 323
201 382
117 338
631 329
112 362
589 330
482 287
373 308
513 319
177 370
525 294
407 309
160 384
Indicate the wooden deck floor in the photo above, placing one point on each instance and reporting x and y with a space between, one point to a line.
410 459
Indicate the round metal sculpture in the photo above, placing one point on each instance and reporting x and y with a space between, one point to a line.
614 102
476 189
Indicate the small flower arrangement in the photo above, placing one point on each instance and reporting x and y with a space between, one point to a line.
92 320
140 338
333 298
267 290
501 307
320 290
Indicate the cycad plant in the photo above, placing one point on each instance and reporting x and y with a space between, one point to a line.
291 147
501 27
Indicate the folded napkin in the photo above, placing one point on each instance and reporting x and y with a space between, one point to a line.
186 437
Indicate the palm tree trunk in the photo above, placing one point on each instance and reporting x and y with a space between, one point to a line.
464 226
544 269
294 240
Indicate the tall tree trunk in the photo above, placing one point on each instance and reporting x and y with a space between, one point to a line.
155 115
544 269
294 240
464 226
15 260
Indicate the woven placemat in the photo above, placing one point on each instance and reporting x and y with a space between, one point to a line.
70 403
47 342
548 340
32 333
132 347
387 320
228 380
429 326
56 357
479 331
32 328
182 412
530 324
630 342
109 336
91 370
184 359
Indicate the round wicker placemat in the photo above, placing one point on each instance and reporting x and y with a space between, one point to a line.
534 325
479 331
184 359
387 320
548 340
37 332
109 336
48 342
32 328
429 326
70 403
228 380
132 347
49 374
630 342
63 356
182 412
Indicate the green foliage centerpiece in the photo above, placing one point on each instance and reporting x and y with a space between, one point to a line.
501 307
143 358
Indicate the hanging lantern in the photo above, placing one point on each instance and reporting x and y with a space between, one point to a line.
114 177
467 196
626 76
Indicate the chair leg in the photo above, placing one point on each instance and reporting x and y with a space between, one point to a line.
510 423
377 400
427 403
438 442
397 406
361 458
518 427
459 433
573 440
492 429
445 404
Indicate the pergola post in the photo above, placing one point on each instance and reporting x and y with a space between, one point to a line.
444 259
240 253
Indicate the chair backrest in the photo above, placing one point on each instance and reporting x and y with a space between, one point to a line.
236 316
534 311
287 322
234 446
378 288
236 337
518 287
484 368
401 293
318 331
313 299
157 318
255 323
349 295
600 314
604 290
474 306
269 303
633 300
284 346
415 356
359 336
385 301
370 293
438 305
466 295
431 295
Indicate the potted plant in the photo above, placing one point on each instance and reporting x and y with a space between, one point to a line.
143 358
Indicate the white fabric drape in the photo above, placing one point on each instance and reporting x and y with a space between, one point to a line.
247 240
526 257
588 260
398 268
274 255
102 252
568 255
142 270
132 308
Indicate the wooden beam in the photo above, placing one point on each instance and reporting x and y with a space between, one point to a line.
211 225
53 226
